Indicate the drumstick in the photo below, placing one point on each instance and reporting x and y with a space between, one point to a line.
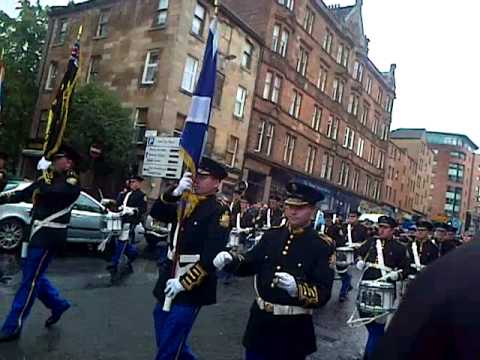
381 261
416 258
349 234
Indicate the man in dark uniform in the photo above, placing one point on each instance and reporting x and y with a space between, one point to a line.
438 318
276 213
334 231
358 233
134 205
426 248
53 197
202 233
395 257
293 275
445 245
3 171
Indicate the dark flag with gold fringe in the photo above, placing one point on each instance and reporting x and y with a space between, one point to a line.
60 108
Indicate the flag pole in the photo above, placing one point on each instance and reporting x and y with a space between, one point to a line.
216 4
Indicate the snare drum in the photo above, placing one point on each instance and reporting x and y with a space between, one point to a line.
234 239
345 256
113 223
408 282
375 297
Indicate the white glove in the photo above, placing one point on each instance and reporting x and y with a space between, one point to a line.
360 265
103 245
43 164
184 184
223 258
393 276
287 282
173 288
128 211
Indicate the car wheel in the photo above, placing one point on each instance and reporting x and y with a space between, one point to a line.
12 232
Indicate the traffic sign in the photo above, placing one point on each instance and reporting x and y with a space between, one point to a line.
162 157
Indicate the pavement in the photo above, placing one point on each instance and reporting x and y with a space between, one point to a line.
115 323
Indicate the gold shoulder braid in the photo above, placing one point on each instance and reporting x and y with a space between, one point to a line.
225 219
307 294
72 178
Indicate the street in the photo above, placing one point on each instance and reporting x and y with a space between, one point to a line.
116 322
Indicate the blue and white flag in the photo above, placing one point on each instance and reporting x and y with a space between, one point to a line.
194 135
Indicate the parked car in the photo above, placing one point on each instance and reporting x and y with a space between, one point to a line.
87 224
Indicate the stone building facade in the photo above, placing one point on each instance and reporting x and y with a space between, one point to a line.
149 53
321 108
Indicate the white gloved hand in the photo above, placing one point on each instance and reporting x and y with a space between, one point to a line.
393 276
184 184
223 258
43 164
173 288
128 211
360 265
287 282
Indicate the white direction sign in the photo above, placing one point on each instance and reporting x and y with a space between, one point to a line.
162 157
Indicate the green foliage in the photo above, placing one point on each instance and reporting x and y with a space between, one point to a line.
22 39
97 117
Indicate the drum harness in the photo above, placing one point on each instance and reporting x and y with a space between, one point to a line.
352 322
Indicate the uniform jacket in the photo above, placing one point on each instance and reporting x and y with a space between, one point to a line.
50 194
446 246
335 232
395 256
439 317
359 234
205 233
276 216
138 200
427 252
307 256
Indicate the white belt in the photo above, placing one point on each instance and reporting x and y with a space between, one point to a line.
49 224
277 309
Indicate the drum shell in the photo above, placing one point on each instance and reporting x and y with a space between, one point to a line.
345 256
375 298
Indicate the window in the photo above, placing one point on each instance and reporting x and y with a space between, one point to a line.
310 162
308 20
353 105
332 128
62 28
455 172
381 160
374 127
368 86
264 137
247 55
51 76
151 67
356 180
198 22
338 86
211 136
289 4
42 124
140 125
289 149
93 66
344 174
365 115
358 71
283 43
458 155
379 95
302 61
179 124
322 79
232 149
296 104
342 55
240 101
327 166
102 25
371 156
162 13
269 138
270 93
190 74
360 146
217 101
388 101
453 200
327 41
280 40
316 118
349 138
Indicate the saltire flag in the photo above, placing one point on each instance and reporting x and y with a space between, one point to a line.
60 108
2 84
195 131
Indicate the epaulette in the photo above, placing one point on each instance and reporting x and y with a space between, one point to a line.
327 239
278 226
72 178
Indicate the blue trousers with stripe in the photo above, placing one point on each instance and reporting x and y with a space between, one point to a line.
34 285
376 331
124 248
172 330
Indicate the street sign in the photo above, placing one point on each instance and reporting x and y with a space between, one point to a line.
162 157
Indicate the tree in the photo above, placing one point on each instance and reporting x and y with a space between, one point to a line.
97 117
22 39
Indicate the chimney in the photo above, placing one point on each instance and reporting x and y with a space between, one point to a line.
393 67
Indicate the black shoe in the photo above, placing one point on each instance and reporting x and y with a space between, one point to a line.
6 337
54 318
129 269
350 288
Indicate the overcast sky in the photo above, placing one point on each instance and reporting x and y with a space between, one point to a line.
435 46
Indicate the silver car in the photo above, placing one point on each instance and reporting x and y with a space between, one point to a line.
87 224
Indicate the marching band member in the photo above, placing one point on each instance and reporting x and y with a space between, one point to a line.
423 250
445 244
293 275
382 258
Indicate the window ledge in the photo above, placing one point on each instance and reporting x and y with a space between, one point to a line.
239 118
198 37
58 44
185 92
158 27
245 69
146 85
100 37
